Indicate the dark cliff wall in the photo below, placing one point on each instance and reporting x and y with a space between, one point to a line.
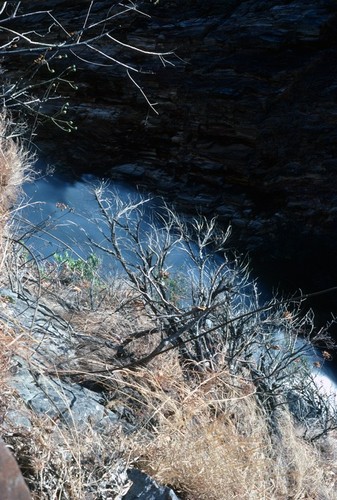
247 124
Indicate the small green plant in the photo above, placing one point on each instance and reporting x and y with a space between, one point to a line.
83 268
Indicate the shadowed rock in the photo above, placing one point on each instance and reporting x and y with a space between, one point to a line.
12 484
247 124
145 488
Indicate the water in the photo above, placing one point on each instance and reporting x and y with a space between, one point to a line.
59 214
63 217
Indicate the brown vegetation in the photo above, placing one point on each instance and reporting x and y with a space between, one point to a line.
209 439
198 427
15 164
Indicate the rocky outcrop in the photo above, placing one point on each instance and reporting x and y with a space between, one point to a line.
41 393
35 379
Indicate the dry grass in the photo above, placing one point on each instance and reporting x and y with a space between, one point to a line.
58 462
207 438
201 432
74 464
6 344
299 470
15 167
12 163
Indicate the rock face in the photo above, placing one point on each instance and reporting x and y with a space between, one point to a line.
48 394
12 484
247 122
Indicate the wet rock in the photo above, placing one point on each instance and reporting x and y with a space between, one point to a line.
12 484
252 105
130 169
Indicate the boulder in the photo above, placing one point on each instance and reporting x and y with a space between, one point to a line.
12 484
145 488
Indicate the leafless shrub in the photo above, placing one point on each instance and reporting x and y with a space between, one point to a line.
181 288
182 348
224 405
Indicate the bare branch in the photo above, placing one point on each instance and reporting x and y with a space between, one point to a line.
91 42
152 105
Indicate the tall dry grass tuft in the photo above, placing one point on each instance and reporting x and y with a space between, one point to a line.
207 438
15 167
300 469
